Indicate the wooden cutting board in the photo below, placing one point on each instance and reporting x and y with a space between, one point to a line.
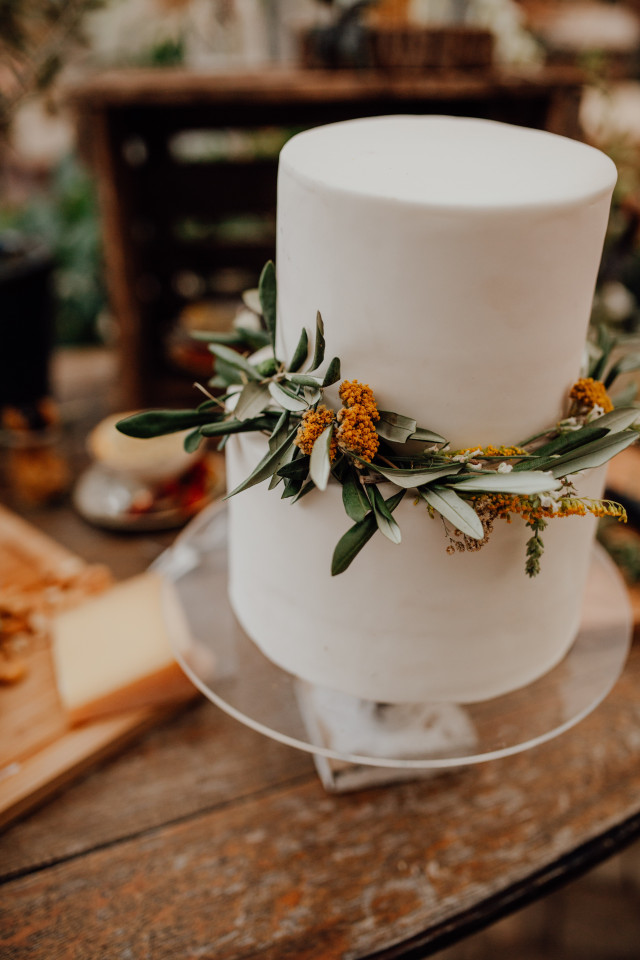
39 751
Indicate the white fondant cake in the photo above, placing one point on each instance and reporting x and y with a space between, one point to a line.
454 263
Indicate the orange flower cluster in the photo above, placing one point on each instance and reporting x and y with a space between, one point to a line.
356 417
353 393
588 393
505 504
314 422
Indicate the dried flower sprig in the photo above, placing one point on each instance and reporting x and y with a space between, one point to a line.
362 447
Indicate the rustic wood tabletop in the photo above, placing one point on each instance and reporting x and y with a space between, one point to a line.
205 839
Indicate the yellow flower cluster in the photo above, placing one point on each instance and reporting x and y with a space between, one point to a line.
588 393
356 417
492 451
313 423
505 504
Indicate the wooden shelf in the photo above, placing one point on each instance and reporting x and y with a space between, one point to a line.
128 122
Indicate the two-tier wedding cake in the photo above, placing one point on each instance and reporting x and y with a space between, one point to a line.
454 263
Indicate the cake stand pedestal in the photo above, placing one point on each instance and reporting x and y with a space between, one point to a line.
358 743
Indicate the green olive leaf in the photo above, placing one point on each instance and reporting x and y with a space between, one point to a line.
355 500
593 455
266 467
305 380
253 399
238 337
318 351
454 509
352 542
267 293
156 423
395 427
416 477
384 520
233 359
333 373
527 482
428 436
300 353
287 399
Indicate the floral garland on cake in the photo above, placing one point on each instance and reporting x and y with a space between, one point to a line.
364 448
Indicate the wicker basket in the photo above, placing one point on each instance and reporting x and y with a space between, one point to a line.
399 47
422 48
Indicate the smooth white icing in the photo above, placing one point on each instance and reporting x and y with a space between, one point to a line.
454 263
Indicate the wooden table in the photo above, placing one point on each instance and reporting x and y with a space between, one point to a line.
206 840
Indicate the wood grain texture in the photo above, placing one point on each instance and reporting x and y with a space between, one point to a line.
290 85
292 872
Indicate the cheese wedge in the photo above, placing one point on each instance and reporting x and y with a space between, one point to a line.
113 653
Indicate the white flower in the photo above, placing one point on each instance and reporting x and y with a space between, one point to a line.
505 468
617 300
595 412
246 319
569 424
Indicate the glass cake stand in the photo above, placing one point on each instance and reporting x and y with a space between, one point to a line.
357 742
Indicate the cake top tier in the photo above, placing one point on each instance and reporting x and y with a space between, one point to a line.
449 162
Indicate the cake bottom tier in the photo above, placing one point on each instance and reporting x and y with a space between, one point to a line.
408 622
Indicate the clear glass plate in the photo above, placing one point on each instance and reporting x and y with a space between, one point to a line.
419 736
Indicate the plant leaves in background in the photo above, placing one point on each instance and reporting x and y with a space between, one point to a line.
630 361
267 292
320 459
454 509
626 396
238 337
192 440
225 375
605 342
